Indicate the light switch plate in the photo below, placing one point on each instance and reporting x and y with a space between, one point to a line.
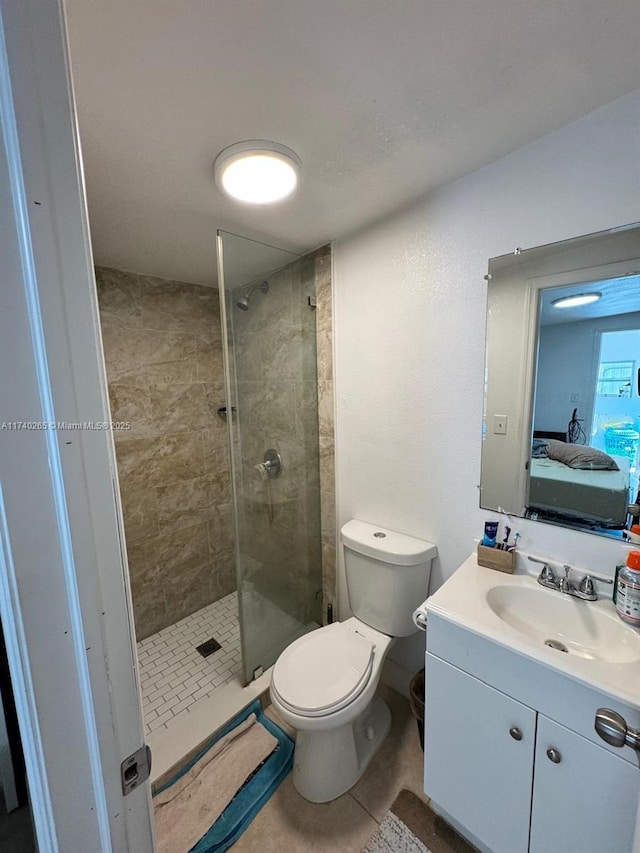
499 424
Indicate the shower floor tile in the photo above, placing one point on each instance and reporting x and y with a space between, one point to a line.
174 676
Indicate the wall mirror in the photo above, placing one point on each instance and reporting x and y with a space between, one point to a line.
562 382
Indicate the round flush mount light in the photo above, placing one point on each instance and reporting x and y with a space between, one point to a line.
257 171
578 299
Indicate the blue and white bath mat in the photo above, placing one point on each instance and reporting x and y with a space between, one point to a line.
185 800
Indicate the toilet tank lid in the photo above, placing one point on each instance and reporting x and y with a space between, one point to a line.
392 547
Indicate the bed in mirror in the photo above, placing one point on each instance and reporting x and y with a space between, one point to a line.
562 396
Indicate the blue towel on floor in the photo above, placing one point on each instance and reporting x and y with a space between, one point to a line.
254 794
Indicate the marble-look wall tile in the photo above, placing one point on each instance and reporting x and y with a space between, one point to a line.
140 511
326 407
163 352
160 459
150 353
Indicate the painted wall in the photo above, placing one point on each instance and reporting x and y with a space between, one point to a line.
163 352
567 368
410 304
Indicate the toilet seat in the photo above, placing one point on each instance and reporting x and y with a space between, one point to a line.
323 671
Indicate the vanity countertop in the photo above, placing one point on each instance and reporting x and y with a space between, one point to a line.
516 612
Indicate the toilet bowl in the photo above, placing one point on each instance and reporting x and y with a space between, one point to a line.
324 683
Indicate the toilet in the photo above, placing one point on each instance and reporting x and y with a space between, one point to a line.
324 683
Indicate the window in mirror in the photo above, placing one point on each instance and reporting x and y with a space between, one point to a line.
614 377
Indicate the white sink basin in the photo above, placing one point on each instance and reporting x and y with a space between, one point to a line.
565 623
584 640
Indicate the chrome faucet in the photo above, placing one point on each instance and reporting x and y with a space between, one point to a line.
584 590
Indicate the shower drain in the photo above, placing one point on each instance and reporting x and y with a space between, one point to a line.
556 644
208 648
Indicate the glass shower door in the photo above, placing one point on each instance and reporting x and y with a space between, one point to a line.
267 297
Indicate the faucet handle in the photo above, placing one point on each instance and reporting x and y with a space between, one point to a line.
586 586
547 574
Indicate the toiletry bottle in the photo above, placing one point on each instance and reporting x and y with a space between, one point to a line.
490 534
626 548
628 592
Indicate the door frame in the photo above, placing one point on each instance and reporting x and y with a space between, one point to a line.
65 600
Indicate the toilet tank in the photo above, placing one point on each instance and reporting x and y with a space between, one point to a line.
387 575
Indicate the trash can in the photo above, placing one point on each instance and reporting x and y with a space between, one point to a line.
416 700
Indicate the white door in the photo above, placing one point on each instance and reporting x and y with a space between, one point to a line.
478 756
584 797
64 596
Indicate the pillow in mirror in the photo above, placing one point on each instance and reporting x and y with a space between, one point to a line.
578 456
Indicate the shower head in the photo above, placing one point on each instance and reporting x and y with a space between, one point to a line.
243 302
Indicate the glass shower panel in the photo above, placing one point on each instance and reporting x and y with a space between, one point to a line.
267 297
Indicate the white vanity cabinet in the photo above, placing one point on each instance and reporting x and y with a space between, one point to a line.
515 781
479 752
515 676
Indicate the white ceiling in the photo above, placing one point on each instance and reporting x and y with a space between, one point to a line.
383 100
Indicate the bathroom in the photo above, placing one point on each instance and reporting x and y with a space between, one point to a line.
408 415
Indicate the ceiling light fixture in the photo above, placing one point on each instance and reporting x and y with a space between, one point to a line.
257 171
578 299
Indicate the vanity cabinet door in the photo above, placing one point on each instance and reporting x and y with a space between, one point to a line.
584 797
479 747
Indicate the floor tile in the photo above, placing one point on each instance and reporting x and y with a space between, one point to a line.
289 823
398 763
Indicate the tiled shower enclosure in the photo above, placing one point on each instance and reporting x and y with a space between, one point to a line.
163 352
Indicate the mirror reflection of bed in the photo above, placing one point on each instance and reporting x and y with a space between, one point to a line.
579 484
